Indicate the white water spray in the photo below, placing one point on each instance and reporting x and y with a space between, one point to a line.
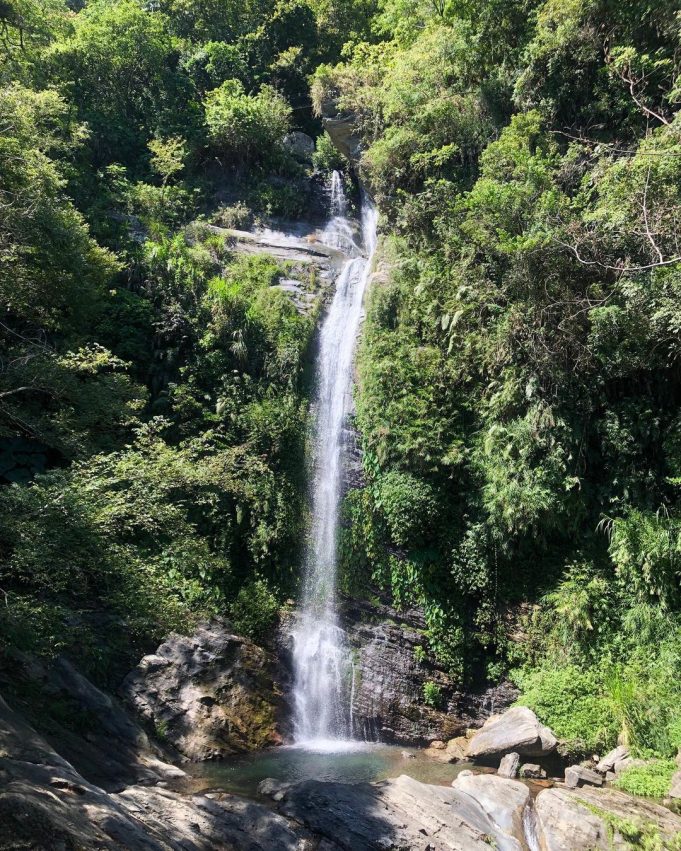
322 664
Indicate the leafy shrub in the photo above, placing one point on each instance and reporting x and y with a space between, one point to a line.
326 156
409 505
246 127
432 694
573 703
255 610
651 780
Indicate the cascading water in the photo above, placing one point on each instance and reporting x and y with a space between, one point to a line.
322 664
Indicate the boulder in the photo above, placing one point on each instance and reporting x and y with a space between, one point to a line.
210 694
578 775
271 788
608 762
503 800
299 145
563 824
532 771
397 813
570 820
516 731
453 751
675 788
508 767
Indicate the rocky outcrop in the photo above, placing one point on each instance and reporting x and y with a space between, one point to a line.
391 669
210 694
504 801
586 819
395 814
46 805
516 731
86 726
478 811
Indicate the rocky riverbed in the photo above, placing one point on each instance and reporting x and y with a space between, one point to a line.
45 803
110 784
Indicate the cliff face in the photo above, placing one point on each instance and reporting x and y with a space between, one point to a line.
389 680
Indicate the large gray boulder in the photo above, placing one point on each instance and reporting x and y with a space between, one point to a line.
396 814
516 731
570 820
299 145
503 800
209 694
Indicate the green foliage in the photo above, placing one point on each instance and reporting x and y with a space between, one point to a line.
326 156
409 506
646 551
255 610
651 780
574 704
246 127
432 695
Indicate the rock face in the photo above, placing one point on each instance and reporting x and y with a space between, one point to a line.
209 695
516 731
581 820
390 678
46 805
299 145
503 800
565 825
86 726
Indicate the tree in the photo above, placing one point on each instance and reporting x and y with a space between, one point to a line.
245 127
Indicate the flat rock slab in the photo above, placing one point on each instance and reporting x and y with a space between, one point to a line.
578 775
200 822
516 731
577 820
396 814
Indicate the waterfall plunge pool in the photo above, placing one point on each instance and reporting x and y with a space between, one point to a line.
343 762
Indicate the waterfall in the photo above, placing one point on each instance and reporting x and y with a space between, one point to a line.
322 663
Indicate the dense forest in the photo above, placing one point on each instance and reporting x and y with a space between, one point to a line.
518 373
